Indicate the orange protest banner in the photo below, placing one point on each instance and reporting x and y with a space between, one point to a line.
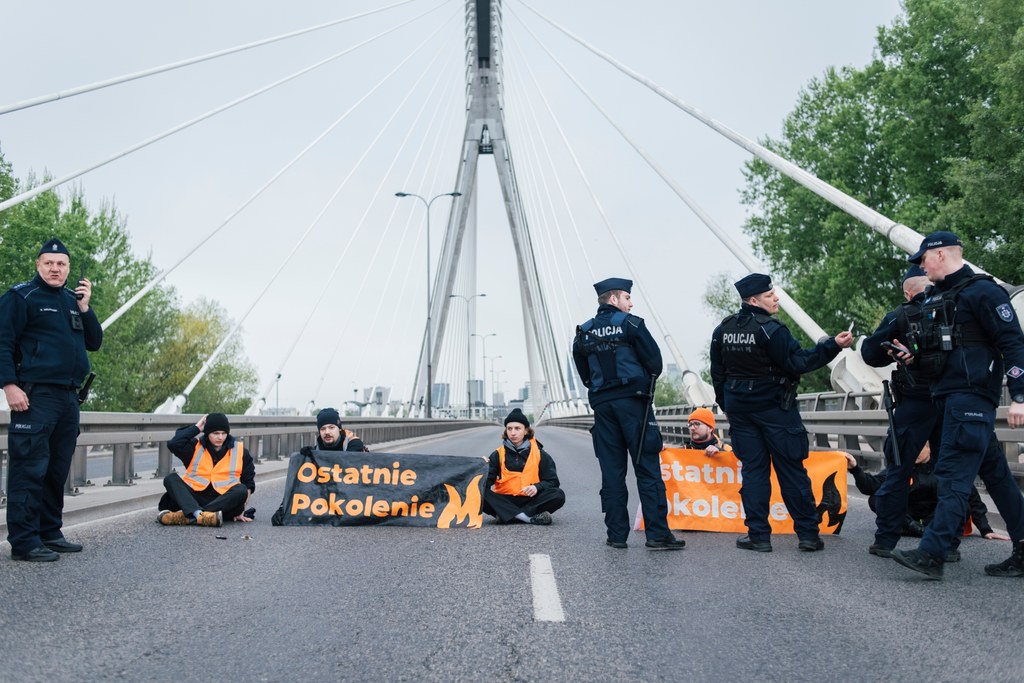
704 493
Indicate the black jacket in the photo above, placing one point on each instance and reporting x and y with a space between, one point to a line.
183 445
636 335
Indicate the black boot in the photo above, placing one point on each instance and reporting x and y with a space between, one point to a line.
1012 566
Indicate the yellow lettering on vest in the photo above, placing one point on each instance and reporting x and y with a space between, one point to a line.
306 473
300 501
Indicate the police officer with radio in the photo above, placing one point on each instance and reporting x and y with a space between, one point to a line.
45 332
618 361
970 339
916 419
755 367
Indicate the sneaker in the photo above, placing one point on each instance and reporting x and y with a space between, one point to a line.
880 550
919 561
810 545
1012 566
745 543
616 544
953 556
172 518
670 543
210 518
542 518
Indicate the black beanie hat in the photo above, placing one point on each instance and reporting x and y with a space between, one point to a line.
328 416
517 416
216 422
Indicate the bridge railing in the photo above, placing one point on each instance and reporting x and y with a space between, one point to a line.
265 437
849 422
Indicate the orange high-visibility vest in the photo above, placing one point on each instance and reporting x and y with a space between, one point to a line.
512 483
349 435
201 470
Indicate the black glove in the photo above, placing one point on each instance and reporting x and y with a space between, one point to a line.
306 451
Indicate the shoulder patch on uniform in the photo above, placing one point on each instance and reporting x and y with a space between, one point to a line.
1005 312
1014 372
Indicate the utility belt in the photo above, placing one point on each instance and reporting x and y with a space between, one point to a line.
28 386
787 395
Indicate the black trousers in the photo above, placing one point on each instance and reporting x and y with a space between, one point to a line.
506 507
181 496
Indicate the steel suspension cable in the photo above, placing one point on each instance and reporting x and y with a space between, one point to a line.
99 85
159 277
39 189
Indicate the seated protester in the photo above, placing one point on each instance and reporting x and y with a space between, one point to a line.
218 479
332 436
522 483
701 425
922 497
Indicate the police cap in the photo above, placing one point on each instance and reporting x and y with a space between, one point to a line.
753 284
914 271
613 283
940 238
54 246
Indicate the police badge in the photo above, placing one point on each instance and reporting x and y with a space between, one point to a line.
1005 312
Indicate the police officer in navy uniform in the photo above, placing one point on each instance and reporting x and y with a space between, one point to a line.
618 360
917 420
755 367
45 331
972 340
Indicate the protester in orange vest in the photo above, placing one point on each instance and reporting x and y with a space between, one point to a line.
332 436
701 425
522 483
218 479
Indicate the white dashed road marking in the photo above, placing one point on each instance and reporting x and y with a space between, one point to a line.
547 606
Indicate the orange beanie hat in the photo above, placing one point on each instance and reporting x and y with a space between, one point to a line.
702 415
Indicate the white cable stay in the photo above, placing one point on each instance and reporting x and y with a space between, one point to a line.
898 234
99 85
39 189
159 277
261 398
855 369
180 400
673 348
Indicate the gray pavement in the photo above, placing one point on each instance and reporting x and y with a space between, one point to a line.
151 603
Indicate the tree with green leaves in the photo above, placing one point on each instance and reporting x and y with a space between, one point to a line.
929 134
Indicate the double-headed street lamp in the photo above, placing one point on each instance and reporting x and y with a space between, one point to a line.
483 359
469 354
430 360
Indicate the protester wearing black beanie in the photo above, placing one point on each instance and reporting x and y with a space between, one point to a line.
517 416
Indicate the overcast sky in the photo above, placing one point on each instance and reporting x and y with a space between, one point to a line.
743 63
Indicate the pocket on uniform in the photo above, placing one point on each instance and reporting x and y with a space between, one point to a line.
653 443
973 428
23 439
796 436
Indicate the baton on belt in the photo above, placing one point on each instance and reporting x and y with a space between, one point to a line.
887 402
647 414
83 393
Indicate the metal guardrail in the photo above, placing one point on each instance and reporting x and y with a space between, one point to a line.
850 422
266 437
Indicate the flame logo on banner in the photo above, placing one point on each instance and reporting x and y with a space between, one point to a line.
462 513
831 504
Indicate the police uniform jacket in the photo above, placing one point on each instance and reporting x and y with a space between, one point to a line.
755 360
515 461
979 368
632 332
183 445
43 335
907 378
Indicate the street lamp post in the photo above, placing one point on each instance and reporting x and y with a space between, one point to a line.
277 394
469 356
430 360
494 386
483 359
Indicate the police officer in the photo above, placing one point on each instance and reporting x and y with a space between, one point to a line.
618 361
917 420
755 367
45 331
971 339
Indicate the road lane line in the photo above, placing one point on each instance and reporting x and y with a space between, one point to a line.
547 606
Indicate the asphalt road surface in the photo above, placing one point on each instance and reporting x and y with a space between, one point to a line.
150 603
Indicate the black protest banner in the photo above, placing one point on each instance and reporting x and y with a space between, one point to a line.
338 488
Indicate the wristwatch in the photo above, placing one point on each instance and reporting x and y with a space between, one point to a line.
1017 398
